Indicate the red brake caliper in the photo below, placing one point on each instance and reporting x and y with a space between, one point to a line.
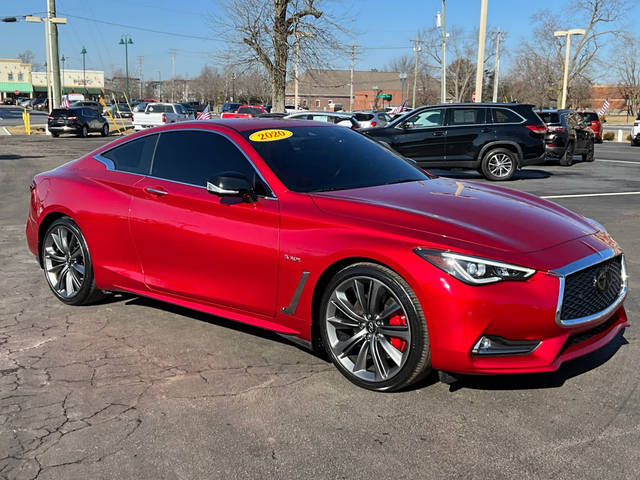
398 342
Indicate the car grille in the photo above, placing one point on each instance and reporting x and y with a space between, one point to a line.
581 337
592 290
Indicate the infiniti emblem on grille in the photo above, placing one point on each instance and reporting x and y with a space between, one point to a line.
603 280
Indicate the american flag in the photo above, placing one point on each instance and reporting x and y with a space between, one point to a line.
399 109
205 114
605 107
65 103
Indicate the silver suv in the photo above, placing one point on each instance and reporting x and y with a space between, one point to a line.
370 118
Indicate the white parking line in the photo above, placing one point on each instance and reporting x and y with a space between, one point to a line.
618 161
6 132
578 195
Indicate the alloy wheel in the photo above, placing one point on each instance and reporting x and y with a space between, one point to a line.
500 165
64 262
367 329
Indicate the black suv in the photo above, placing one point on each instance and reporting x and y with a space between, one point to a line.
567 135
494 138
80 121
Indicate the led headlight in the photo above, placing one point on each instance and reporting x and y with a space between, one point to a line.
474 270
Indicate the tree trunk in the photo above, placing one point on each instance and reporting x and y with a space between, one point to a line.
280 55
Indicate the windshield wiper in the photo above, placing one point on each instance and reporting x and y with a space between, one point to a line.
405 180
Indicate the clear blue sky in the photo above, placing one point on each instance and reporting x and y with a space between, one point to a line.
383 26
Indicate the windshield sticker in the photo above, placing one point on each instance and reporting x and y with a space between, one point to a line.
270 135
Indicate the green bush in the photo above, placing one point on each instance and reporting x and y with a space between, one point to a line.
628 137
609 136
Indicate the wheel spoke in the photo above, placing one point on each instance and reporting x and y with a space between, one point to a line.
78 268
69 282
63 272
374 295
340 301
57 243
343 322
358 286
400 331
77 283
361 361
392 308
394 354
57 267
345 346
378 363
64 241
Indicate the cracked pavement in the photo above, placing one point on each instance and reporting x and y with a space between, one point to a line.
134 388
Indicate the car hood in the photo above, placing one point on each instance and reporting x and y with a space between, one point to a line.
492 216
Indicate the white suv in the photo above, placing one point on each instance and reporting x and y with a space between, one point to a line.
635 132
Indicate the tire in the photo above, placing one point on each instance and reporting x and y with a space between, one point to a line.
363 347
589 155
66 259
84 133
55 135
567 158
499 164
105 130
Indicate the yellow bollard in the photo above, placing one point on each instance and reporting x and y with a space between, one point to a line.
26 119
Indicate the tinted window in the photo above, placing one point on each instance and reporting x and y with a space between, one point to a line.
179 109
333 158
466 116
426 118
549 117
363 116
194 157
590 116
134 156
502 115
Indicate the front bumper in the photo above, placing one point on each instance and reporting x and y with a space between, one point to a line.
460 315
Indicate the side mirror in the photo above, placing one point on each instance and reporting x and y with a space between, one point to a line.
232 184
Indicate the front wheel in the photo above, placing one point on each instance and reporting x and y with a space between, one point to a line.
499 164
105 130
589 156
67 263
374 329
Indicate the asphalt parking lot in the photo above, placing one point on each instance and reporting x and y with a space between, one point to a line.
133 388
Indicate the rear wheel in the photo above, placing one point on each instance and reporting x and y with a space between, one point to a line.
499 164
67 263
105 130
567 158
589 155
373 328
55 134
84 133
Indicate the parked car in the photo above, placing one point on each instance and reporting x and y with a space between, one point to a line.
230 107
89 104
370 118
191 107
339 118
156 114
594 123
140 107
77 120
635 132
324 236
40 103
567 136
496 139
245 111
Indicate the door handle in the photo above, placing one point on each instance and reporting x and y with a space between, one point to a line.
485 130
438 133
156 191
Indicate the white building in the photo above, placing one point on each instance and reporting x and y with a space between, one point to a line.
73 81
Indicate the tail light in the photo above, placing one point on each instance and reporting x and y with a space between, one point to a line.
164 118
132 117
537 128
72 118
556 129
373 123
49 117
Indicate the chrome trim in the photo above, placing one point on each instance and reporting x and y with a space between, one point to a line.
220 191
581 264
517 347
156 191
111 166
293 304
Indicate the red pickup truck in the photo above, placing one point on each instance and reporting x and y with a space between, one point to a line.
245 111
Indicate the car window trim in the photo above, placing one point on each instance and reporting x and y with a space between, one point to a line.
107 162
506 123
449 116
398 125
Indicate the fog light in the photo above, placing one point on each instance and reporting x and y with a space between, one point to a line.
491 345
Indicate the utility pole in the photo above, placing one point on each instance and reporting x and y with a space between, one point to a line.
565 82
53 45
443 55
126 40
140 57
159 86
482 33
63 59
416 48
403 78
173 52
496 72
353 65
84 70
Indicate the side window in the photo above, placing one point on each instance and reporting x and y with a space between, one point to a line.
502 115
466 116
134 156
320 118
426 118
194 157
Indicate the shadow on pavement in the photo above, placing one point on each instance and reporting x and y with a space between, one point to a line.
18 157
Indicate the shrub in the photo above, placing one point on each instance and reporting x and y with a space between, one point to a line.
628 137
609 136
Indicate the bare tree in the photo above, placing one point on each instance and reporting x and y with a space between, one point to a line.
263 32
26 57
628 69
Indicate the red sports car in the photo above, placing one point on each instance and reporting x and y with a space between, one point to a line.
321 234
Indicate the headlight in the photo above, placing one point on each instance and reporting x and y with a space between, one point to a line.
474 270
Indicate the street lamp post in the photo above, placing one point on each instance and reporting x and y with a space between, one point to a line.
126 40
84 71
565 81
403 77
482 33
63 59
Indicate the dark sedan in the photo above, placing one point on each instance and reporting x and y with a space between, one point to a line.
567 136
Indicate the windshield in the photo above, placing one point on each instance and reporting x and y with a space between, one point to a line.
549 117
590 116
316 159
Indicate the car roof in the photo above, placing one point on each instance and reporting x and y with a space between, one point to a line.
245 124
322 112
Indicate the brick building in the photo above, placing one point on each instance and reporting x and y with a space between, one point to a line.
599 93
320 89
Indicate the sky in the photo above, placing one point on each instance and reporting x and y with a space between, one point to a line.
382 30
